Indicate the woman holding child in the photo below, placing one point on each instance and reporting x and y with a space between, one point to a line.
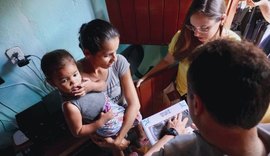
99 41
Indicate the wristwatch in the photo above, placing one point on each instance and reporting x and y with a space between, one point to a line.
171 131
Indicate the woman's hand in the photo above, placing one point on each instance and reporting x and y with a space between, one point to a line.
79 91
109 142
100 141
178 124
251 3
119 144
88 85
138 83
82 90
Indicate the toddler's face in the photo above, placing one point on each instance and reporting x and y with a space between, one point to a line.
67 78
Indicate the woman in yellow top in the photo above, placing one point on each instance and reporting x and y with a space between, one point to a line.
204 22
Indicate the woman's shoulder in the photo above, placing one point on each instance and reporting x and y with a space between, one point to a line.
121 65
176 35
173 41
232 35
81 63
121 59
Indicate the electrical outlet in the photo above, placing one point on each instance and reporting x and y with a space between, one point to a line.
15 54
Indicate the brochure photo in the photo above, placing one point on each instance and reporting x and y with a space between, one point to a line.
155 124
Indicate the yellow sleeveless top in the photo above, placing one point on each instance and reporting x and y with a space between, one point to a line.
181 79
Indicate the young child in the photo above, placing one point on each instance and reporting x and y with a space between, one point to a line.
93 112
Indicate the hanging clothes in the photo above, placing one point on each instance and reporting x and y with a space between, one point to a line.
251 25
265 41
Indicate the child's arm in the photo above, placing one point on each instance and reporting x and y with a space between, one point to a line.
74 120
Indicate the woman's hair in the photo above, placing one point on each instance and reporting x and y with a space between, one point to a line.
213 9
55 60
232 79
93 34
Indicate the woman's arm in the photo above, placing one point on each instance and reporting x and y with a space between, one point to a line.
165 62
88 85
74 120
98 85
133 105
264 7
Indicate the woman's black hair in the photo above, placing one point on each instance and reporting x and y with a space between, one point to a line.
93 34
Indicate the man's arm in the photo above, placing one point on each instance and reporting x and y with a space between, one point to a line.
178 124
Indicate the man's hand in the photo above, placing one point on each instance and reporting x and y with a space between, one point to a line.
178 124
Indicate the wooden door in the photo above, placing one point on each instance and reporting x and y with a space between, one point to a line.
151 22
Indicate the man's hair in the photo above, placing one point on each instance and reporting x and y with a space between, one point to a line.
55 60
232 78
